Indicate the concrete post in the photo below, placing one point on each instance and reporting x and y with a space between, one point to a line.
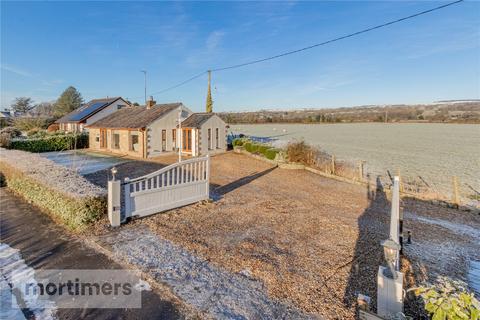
389 294
395 215
390 288
114 203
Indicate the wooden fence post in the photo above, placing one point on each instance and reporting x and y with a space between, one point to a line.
456 198
333 164
360 170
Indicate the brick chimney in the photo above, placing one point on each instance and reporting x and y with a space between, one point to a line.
150 102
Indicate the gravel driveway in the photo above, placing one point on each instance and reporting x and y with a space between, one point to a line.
313 242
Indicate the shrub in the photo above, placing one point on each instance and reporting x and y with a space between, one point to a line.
271 153
262 148
12 131
248 146
238 142
7 134
254 147
449 300
25 124
51 143
34 132
299 151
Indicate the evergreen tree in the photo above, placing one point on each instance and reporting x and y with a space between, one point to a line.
22 105
209 107
68 101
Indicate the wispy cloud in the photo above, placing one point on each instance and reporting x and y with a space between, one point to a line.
52 83
214 39
16 70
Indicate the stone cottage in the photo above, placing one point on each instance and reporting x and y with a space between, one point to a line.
154 130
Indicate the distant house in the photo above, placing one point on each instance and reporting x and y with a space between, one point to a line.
9 114
153 130
94 110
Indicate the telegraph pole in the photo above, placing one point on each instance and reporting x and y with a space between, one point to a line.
145 76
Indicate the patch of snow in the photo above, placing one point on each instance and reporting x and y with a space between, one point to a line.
474 276
17 275
9 305
222 294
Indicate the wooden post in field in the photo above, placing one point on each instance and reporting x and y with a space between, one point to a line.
333 164
360 170
456 198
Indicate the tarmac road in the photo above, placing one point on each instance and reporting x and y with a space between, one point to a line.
35 238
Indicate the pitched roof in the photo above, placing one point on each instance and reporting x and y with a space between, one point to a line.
87 110
196 120
134 117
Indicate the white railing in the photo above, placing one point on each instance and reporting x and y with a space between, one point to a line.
176 185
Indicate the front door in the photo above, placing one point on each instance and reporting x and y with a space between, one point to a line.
187 140
103 138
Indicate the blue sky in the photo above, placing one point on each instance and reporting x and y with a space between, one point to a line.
100 48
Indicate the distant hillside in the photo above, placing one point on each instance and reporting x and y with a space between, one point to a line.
442 111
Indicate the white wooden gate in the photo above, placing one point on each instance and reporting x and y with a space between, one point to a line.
174 186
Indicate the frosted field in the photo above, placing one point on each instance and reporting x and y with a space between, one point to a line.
434 151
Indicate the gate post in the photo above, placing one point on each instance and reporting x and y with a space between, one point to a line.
114 201
208 176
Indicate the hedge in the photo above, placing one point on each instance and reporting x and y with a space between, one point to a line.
238 142
75 213
271 153
51 143
266 150
248 146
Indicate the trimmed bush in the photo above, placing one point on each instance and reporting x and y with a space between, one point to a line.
76 213
238 142
248 146
271 153
262 148
51 143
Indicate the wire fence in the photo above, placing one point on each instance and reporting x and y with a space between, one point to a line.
446 189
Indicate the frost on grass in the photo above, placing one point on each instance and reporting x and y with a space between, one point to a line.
51 174
199 283
446 247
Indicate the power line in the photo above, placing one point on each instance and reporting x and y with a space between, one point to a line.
177 85
336 39
309 47
181 83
